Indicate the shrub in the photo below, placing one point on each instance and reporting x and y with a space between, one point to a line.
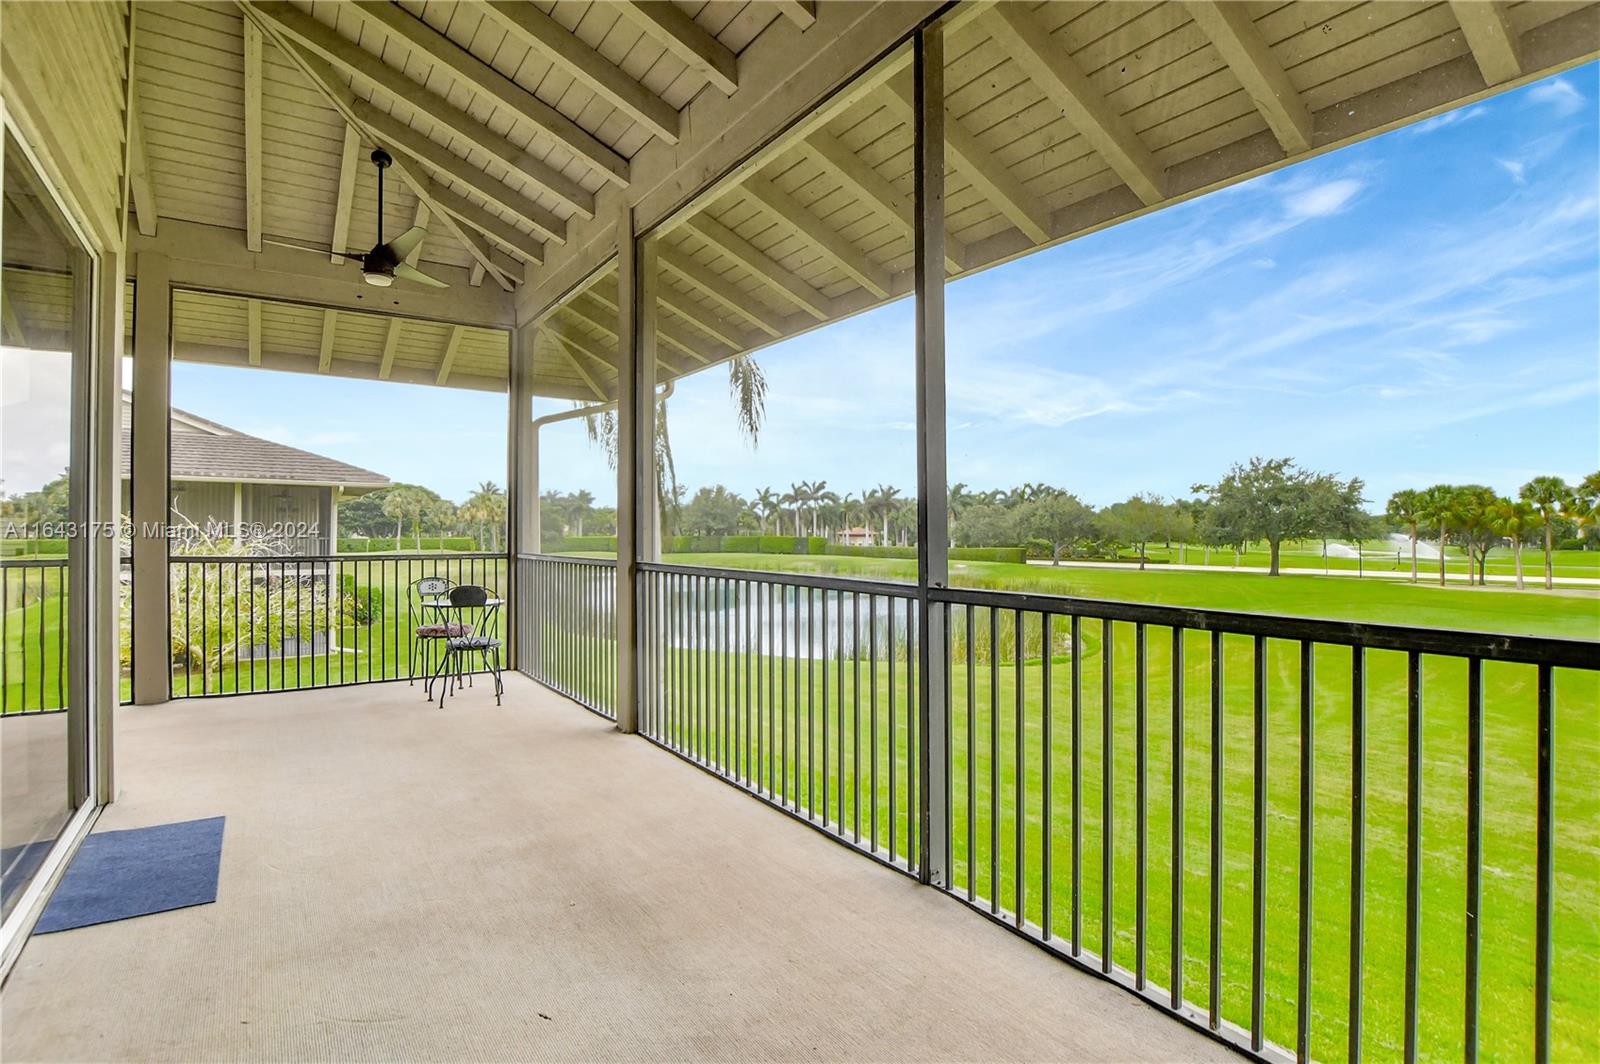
870 552
1014 555
363 604
580 544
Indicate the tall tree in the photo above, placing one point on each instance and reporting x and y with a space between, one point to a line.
1134 521
1436 508
1059 519
766 504
1274 500
1550 496
1473 515
1405 510
1514 520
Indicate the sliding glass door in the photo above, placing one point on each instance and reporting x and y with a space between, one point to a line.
45 343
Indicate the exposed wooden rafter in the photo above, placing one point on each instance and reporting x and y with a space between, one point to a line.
370 70
252 315
719 288
683 37
875 190
439 49
252 136
330 326
577 366
349 159
802 13
1059 77
527 24
815 232
452 347
1236 38
391 343
1491 37
762 265
139 183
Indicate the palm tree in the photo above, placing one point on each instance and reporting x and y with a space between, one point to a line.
582 506
884 503
1405 509
1549 495
1514 520
796 498
1435 509
765 504
1583 509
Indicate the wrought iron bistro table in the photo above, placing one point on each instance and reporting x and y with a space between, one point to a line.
452 613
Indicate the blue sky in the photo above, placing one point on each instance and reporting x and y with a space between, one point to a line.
1420 307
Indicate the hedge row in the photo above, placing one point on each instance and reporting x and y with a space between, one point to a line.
776 545
383 545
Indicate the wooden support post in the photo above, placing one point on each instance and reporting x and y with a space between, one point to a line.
522 480
933 546
152 414
628 470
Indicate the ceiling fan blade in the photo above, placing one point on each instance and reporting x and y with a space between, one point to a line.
403 244
410 273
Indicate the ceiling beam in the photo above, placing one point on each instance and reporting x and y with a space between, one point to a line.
683 37
139 183
802 13
526 23
330 325
449 205
1236 38
701 317
475 278
326 79
252 136
521 103
845 166
665 333
1063 81
815 232
719 288
993 180
761 264
367 68
1489 34
396 134
252 314
451 347
349 158
391 343
577 367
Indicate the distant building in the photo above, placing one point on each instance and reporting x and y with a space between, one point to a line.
222 478
856 537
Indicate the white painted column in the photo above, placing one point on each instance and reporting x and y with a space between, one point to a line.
628 471
152 415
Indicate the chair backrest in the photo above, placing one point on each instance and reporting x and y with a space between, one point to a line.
469 595
429 586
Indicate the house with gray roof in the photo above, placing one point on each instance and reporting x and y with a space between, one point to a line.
225 480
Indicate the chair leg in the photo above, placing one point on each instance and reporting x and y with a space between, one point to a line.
441 678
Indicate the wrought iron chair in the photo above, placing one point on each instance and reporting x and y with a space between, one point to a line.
459 649
427 628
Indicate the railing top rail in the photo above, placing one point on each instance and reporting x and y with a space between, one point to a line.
570 559
762 576
354 556
1490 646
52 562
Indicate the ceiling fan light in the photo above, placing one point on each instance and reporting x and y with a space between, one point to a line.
380 280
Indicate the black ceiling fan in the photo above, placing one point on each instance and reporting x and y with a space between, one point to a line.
385 262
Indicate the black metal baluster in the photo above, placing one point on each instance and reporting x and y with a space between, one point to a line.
1214 1017
1076 629
1544 889
1176 976
892 651
1141 810
1107 810
855 708
1308 700
872 672
1358 845
1258 890
1474 851
972 757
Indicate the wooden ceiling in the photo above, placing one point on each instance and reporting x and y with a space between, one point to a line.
508 119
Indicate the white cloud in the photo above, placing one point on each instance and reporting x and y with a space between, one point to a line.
1559 95
1319 201
1514 167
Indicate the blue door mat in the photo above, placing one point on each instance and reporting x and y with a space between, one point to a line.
118 874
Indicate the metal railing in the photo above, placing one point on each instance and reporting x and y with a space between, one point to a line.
799 690
568 629
34 669
1142 790
254 624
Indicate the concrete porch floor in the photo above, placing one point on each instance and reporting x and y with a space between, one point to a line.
473 883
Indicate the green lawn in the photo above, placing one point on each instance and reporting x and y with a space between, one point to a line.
1507 911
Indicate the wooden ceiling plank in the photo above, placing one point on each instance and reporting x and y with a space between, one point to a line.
253 330
1058 76
139 180
664 332
1493 41
718 328
396 134
814 231
252 135
683 37
761 264
363 65
481 76
537 30
1236 38
391 343
982 170
846 166
451 348
719 288
330 325
349 158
